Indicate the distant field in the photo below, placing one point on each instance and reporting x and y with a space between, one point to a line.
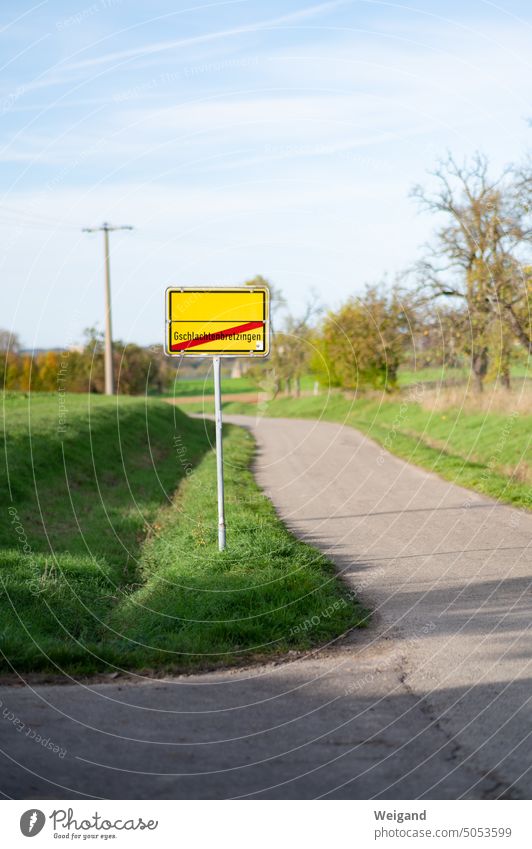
407 377
182 388
440 374
436 374
108 555
484 450
230 385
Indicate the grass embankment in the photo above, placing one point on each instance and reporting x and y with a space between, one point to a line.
104 564
483 450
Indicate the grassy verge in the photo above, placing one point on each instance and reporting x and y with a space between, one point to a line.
108 554
482 450
267 591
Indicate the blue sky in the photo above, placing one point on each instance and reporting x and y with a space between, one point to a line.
241 137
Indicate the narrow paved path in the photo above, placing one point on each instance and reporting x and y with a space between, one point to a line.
433 701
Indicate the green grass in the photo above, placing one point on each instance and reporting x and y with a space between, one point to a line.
205 386
486 452
441 374
434 374
267 591
108 555
406 377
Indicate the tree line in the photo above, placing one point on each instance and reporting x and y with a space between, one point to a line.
467 301
137 370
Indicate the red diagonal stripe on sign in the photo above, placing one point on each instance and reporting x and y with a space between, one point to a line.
240 328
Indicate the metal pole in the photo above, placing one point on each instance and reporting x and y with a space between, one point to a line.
219 453
109 377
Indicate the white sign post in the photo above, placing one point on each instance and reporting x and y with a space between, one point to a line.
219 451
218 322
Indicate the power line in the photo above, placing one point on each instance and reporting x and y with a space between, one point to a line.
30 225
31 219
107 228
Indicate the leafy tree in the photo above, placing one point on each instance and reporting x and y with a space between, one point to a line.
46 372
363 343
137 372
26 374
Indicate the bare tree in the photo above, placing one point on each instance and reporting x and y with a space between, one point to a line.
277 299
475 257
292 351
9 342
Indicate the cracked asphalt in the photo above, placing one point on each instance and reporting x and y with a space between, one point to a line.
434 700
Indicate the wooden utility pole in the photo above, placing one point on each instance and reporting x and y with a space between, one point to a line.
106 228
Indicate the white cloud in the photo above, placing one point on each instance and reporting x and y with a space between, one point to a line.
120 56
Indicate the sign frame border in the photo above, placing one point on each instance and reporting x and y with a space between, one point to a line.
257 355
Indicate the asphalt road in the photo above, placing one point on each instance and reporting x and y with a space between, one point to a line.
434 700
